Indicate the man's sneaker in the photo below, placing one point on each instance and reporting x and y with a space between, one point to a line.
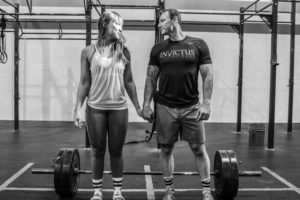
207 195
97 196
170 194
118 195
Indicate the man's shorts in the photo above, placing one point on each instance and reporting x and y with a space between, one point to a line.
175 122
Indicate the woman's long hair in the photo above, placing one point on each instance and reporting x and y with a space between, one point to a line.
118 46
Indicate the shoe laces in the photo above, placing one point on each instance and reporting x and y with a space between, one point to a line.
207 195
117 192
170 190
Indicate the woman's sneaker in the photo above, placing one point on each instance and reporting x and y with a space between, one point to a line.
170 194
118 195
207 195
97 196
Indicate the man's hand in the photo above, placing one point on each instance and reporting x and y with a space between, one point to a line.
203 112
148 113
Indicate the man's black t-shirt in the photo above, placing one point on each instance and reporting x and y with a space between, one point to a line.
178 62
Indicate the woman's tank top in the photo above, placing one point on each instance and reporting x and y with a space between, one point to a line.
107 90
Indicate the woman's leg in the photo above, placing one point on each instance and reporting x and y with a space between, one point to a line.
97 130
117 129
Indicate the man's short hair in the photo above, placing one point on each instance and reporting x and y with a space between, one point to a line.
174 13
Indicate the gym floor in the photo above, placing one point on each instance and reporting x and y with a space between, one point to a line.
37 144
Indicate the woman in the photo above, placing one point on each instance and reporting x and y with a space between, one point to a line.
105 75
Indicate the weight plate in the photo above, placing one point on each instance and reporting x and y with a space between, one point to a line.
222 178
57 172
69 178
234 173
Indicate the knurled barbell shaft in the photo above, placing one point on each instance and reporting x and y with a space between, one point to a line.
51 171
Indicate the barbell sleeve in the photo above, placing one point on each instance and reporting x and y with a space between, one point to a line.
249 173
42 171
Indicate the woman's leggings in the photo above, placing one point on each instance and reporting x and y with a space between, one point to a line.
105 125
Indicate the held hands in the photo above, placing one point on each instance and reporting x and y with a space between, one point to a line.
148 114
203 112
139 112
77 119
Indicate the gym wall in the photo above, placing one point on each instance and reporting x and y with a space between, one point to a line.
50 70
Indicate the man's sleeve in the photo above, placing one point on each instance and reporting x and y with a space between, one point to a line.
204 53
153 57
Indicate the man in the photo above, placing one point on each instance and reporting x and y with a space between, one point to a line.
177 62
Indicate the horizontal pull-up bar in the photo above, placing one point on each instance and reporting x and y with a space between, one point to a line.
49 33
210 23
126 6
209 13
75 20
265 11
289 1
257 21
217 13
126 22
51 38
52 20
47 14
31 38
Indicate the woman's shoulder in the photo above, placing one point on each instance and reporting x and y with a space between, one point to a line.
88 51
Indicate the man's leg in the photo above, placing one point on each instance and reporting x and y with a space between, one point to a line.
167 134
202 160
167 166
203 168
193 131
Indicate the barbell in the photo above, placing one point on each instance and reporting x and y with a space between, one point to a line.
66 170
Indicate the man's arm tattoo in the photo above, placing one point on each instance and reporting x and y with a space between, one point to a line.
151 83
152 74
